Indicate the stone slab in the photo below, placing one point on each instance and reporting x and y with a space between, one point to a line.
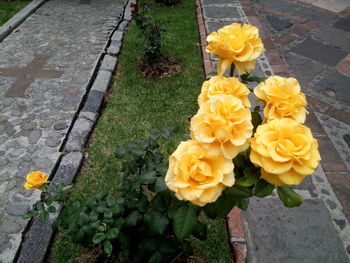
343 24
102 80
334 36
220 12
212 26
280 5
108 63
336 84
304 234
278 23
114 47
320 52
78 135
210 2
93 102
298 64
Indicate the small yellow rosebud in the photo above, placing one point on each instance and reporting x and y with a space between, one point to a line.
35 180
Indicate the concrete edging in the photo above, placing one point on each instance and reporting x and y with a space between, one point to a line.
234 219
36 239
18 18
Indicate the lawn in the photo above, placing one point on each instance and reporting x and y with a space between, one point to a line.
9 9
136 105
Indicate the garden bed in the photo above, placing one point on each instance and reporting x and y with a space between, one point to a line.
135 105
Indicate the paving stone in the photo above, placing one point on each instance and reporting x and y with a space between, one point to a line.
93 102
11 225
220 12
43 163
117 35
47 123
208 2
306 184
4 243
340 222
281 5
114 47
109 63
320 52
54 139
212 26
88 115
102 80
336 83
19 209
343 24
298 64
29 126
34 136
334 36
78 135
60 126
278 23
282 234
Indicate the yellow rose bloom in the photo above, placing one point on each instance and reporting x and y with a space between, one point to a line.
196 176
222 126
238 44
220 85
35 180
285 150
283 99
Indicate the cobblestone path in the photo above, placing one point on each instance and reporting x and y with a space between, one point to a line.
313 45
44 70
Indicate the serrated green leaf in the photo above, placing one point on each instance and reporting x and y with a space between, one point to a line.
288 196
83 219
132 167
256 120
251 177
238 191
51 209
43 217
242 203
158 203
108 214
98 238
263 188
157 257
120 153
56 223
78 236
100 195
148 244
160 185
111 201
40 206
93 216
184 222
132 218
156 222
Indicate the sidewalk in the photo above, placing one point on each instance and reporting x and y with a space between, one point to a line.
46 70
311 43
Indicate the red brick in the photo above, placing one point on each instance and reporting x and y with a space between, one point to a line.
280 68
274 57
235 223
268 44
340 183
330 159
239 252
208 68
202 29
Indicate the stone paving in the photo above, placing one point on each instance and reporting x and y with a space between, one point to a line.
313 45
45 69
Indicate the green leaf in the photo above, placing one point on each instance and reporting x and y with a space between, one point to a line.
256 120
238 191
200 231
158 203
147 177
112 233
156 222
132 218
111 201
83 219
137 154
93 216
210 211
56 223
148 244
100 195
158 157
156 258
30 214
107 247
96 224
242 203
160 185
263 188
40 206
288 196
251 176
162 169
168 246
98 238
108 214
166 134
184 222
224 204
43 217
133 167
120 153
78 236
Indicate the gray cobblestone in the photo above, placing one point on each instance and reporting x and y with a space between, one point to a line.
114 47
78 135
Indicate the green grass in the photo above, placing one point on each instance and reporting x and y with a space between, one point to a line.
9 9
137 104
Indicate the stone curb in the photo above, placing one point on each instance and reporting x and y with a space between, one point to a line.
234 219
18 18
37 237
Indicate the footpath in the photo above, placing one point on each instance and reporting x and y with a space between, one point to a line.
54 71
309 40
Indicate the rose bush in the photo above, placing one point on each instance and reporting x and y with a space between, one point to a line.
282 98
196 176
238 44
285 150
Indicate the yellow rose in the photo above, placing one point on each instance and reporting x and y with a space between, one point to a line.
222 126
196 176
220 85
35 180
285 150
283 99
238 44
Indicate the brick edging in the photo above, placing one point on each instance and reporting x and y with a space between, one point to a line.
234 219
